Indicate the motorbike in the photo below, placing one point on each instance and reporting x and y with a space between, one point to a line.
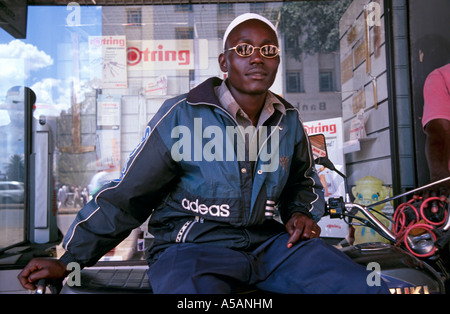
416 259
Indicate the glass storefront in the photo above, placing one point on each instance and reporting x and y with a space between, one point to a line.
12 175
100 73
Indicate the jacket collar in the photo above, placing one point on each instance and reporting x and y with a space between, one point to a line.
204 93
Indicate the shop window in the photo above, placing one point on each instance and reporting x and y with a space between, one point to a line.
100 81
226 9
134 17
294 82
326 81
183 8
184 33
258 7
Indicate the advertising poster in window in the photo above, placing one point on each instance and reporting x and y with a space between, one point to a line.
108 56
108 113
108 133
333 184
156 86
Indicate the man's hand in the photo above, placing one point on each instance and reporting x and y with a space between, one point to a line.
41 268
301 227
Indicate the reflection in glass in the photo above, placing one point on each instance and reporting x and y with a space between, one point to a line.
101 72
12 165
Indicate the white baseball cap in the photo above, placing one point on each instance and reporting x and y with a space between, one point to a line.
245 17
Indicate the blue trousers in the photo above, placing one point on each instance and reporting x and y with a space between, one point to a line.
308 267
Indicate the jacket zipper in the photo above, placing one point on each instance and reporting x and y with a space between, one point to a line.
236 124
265 142
184 230
270 211
224 111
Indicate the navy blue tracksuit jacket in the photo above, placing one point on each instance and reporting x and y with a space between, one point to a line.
188 175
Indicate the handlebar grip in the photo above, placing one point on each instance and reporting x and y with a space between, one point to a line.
53 286
41 286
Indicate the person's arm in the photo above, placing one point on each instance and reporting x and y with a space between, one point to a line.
116 209
438 151
123 205
435 120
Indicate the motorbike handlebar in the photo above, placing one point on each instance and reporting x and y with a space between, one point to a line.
378 224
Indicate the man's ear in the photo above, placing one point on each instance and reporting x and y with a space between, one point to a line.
223 63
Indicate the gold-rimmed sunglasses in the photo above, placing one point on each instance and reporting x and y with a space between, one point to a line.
246 50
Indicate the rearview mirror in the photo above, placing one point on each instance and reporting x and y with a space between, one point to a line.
320 154
318 145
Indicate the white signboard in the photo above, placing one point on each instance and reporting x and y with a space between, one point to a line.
185 54
108 114
108 133
108 61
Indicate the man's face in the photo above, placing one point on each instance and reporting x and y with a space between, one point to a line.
254 74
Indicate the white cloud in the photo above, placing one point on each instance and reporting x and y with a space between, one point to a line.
17 60
44 89
52 96
33 58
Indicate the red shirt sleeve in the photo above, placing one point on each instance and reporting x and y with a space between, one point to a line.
437 95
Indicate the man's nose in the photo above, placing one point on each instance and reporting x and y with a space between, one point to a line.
256 57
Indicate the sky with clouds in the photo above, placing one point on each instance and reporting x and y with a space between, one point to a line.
43 62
